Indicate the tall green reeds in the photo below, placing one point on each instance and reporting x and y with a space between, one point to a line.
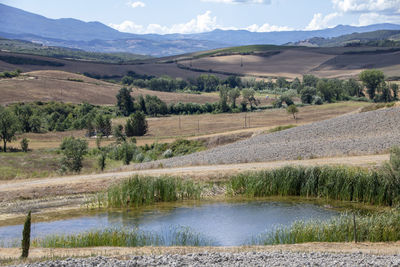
379 227
138 191
378 187
175 236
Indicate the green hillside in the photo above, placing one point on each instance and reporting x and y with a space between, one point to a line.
25 47
381 38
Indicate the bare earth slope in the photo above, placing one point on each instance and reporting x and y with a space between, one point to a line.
354 134
52 85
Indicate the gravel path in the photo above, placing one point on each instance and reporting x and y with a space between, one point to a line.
353 134
236 259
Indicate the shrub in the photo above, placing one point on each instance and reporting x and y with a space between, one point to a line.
136 125
26 236
73 149
24 144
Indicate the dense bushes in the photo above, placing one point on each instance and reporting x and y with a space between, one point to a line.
10 74
154 151
56 116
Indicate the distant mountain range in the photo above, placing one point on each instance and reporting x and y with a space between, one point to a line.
97 37
387 38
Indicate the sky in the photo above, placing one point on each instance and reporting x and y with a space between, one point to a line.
194 16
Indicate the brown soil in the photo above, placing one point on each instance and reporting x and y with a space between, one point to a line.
57 86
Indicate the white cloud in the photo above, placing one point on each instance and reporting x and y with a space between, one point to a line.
320 21
374 18
136 4
366 6
239 1
127 26
202 23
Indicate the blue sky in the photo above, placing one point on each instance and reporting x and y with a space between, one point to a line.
192 16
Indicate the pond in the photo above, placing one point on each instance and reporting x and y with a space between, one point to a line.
226 223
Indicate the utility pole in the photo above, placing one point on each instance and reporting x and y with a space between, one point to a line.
180 128
198 126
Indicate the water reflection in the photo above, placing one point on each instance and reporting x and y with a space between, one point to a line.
228 224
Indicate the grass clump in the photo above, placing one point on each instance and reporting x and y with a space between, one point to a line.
378 227
138 191
175 236
281 128
377 106
378 187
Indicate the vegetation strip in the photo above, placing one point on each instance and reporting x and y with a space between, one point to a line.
379 227
174 236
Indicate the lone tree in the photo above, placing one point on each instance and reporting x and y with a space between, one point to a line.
292 109
136 125
248 95
233 94
125 101
8 127
372 79
74 149
26 236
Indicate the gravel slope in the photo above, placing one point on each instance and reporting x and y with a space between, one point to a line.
353 134
236 259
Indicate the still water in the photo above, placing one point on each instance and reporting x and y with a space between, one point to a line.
227 224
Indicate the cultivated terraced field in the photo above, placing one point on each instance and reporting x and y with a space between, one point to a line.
354 134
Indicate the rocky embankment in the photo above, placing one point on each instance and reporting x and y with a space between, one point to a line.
354 134
235 259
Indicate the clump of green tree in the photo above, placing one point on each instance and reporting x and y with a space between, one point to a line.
203 83
8 127
136 125
10 74
38 117
73 150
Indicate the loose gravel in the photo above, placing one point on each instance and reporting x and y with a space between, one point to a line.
354 134
235 259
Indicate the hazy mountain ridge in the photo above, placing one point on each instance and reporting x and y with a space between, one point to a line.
373 38
97 37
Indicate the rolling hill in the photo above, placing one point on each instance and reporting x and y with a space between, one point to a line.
253 61
52 85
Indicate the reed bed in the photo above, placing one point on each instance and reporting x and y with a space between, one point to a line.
377 187
138 191
378 227
175 236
